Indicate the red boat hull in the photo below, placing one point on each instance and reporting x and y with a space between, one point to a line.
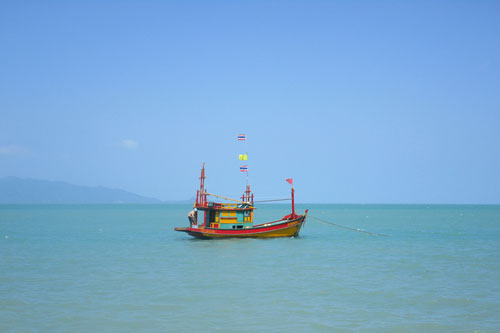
281 228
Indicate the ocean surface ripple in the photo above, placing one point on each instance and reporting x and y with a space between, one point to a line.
84 268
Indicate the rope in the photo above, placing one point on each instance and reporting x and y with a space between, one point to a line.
273 200
347 228
226 198
220 196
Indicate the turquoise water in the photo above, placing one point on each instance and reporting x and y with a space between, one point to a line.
123 268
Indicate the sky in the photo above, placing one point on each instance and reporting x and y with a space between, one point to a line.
357 101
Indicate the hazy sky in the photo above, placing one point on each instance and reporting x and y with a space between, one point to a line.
358 101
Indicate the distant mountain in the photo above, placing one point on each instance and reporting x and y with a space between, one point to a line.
15 190
178 202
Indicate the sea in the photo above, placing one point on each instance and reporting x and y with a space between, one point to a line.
123 268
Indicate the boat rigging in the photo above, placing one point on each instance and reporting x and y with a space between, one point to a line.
210 219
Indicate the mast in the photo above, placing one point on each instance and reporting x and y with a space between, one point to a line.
247 194
201 195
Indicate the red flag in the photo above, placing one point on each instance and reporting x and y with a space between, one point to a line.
290 180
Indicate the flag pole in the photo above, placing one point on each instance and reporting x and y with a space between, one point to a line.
290 181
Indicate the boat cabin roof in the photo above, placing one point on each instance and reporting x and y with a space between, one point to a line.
224 206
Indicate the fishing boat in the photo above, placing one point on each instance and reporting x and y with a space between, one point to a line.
210 219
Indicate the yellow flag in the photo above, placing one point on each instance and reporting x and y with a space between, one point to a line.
243 157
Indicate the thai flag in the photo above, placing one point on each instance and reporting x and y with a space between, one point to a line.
242 137
244 168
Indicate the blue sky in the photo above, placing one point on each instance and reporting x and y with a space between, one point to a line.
358 101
